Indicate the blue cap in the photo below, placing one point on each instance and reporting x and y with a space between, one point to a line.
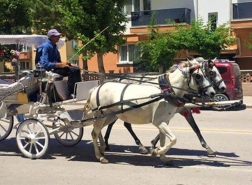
53 32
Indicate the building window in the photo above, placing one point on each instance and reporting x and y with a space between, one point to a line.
146 5
25 48
131 6
74 44
136 5
24 65
212 19
129 53
75 62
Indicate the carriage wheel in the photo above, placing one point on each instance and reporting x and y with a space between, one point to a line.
67 135
32 138
6 125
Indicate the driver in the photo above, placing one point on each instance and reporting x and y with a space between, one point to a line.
50 60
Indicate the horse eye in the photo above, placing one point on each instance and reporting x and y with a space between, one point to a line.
198 77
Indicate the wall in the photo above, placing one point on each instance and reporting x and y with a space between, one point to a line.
223 7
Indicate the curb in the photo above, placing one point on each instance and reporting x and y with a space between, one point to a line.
248 105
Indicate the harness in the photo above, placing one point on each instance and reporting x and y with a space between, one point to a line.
166 88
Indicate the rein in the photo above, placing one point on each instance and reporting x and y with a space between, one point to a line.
132 78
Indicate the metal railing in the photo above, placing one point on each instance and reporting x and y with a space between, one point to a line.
246 75
242 10
177 15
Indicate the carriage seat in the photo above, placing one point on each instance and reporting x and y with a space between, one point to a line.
10 91
49 75
57 77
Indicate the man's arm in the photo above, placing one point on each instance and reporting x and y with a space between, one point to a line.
48 65
44 60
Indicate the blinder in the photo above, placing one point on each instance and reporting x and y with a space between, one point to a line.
212 74
198 77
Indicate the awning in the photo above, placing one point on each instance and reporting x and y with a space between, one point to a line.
29 40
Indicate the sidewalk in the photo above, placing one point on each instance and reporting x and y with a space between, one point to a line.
247 100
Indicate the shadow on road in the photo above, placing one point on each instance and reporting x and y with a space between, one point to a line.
128 155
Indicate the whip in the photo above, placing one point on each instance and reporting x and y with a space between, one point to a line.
87 44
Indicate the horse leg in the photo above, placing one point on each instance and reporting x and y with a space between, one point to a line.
96 133
195 128
102 144
142 149
164 131
107 134
154 142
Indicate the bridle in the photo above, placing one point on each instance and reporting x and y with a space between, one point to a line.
208 66
197 76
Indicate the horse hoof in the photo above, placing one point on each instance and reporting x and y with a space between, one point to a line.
103 160
169 163
143 150
153 152
210 153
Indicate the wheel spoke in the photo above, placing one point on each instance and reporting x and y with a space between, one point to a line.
74 133
34 127
71 135
38 132
66 135
42 146
5 120
28 127
62 134
36 148
25 145
30 148
3 128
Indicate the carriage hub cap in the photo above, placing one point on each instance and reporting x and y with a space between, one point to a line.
31 138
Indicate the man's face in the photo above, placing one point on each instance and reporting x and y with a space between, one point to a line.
55 39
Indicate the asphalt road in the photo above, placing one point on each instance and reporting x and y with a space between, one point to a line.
228 133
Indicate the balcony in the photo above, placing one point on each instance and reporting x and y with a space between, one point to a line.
242 11
25 56
178 15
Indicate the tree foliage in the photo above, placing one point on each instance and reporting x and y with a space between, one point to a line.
15 19
85 19
46 15
15 16
249 44
159 50
202 39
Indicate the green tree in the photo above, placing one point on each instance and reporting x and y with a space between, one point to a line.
248 44
159 50
202 39
46 15
85 19
15 17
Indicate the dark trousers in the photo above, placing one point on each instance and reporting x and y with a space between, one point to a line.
73 74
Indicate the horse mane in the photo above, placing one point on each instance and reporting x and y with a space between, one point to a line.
180 63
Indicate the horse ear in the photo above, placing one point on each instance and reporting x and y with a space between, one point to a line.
193 68
190 62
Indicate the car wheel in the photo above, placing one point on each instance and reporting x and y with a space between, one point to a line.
220 97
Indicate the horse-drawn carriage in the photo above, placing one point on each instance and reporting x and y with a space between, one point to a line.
156 100
50 91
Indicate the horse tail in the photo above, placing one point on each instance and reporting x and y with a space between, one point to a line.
87 107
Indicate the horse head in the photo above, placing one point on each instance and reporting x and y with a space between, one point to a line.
196 80
212 73
215 77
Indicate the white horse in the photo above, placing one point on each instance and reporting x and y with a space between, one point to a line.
215 78
141 104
